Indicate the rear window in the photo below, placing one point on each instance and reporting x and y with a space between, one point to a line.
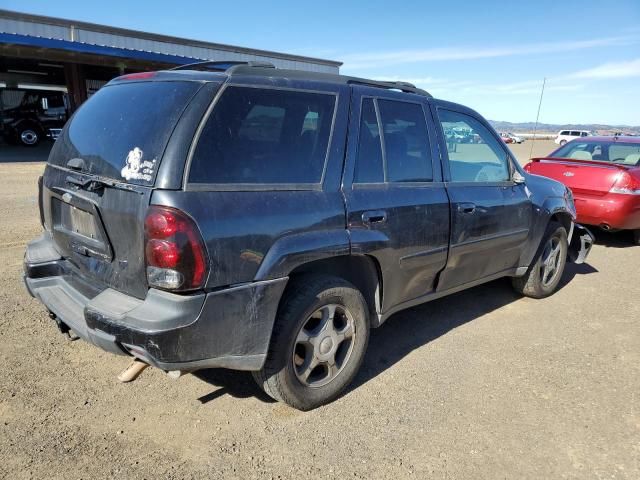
122 130
264 136
624 153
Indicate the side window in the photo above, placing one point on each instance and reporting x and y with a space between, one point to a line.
475 155
264 136
564 132
406 142
369 165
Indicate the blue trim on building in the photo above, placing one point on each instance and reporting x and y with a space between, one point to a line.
78 47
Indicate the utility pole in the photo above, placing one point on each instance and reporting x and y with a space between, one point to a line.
535 128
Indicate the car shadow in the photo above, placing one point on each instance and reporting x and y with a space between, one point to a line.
619 239
230 382
414 328
22 154
403 333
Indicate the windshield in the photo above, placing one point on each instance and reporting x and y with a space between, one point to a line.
615 152
122 130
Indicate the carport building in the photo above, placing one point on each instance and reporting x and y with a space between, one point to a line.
74 59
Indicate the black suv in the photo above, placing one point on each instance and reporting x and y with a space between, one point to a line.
28 116
262 219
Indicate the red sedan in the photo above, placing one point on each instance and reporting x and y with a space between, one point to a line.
604 175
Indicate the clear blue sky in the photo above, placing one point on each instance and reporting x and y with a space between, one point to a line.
490 55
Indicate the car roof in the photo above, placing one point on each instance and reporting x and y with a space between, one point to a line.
226 71
220 71
609 139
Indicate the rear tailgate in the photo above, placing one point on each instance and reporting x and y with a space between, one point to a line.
100 176
581 176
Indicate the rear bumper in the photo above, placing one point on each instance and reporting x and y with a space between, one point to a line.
615 210
229 328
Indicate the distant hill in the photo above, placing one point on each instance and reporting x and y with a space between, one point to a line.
527 127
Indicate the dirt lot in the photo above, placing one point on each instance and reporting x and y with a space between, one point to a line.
482 384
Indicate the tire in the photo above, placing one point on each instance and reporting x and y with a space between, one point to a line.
563 143
28 136
636 237
544 274
307 333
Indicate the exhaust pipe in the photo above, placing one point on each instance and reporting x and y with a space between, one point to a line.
605 226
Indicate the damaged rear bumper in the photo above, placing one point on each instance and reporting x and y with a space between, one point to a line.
580 243
227 328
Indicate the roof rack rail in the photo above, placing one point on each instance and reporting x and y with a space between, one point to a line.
402 86
233 66
222 66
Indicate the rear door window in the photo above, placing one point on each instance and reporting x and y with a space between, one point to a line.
406 142
407 152
264 136
369 163
122 130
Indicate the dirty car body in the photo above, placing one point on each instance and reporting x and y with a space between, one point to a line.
155 245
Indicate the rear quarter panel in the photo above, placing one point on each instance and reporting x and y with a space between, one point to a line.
265 233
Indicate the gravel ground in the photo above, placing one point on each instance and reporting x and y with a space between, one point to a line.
482 384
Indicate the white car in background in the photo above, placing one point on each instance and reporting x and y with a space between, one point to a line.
565 136
515 138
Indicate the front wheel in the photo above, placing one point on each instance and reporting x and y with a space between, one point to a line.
563 143
318 342
28 136
544 275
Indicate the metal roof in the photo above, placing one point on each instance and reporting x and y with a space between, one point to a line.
80 36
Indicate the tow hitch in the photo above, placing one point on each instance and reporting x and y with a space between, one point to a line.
63 327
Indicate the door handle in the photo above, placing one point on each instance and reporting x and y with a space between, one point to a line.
466 207
374 216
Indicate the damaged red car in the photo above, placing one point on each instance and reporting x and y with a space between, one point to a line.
603 174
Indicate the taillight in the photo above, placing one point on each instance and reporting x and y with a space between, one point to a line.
626 184
174 250
527 167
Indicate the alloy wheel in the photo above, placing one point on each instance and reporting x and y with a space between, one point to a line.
323 345
551 260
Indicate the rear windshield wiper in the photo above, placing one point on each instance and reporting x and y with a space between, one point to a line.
98 184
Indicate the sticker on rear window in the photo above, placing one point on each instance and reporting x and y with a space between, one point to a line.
137 169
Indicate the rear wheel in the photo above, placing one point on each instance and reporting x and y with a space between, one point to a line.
636 237
318 343
544 275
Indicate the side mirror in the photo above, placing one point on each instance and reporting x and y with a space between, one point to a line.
517 178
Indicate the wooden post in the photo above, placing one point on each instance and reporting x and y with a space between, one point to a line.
74 76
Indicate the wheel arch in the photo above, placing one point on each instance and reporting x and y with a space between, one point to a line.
563 218
363 271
